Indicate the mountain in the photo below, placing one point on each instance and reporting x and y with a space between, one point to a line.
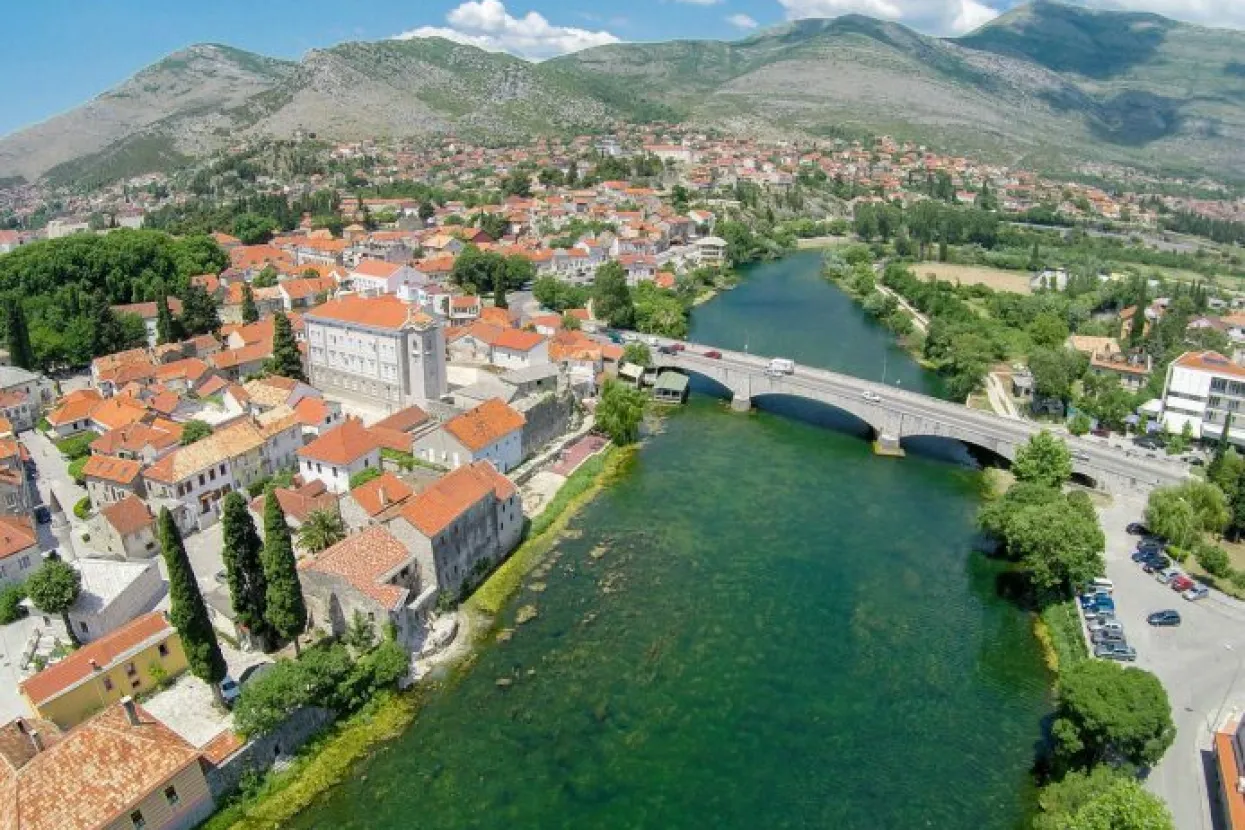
1047 84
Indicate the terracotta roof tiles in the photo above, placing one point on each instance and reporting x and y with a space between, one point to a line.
484 425
433 510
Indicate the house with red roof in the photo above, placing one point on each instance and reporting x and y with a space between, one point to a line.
374 501
374 277
492 431
338 454
462 525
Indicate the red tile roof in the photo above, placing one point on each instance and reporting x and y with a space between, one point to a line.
116 470
342 444
483 426
381 493
384 312
404 420
1210 362
433 510
94 774
378 268
518 340
16 535
367 561
128 516
300 502
109 650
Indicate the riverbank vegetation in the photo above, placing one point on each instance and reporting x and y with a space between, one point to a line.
1111 723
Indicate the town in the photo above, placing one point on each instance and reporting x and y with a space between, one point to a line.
254 482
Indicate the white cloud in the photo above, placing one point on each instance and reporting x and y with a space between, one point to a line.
699 2
941 17
1230 13
488 25
742 21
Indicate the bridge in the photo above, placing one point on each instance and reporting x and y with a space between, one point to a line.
895 414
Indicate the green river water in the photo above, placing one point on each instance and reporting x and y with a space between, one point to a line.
760 625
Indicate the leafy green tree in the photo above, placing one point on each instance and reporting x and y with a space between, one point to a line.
1184 512
1110 714
1048 330
108 335
244 570
1080 424
620 411
250 311
21 353
54 588
286 359
199 312
1059 543
611 298
517 183
285 609
187 611
637 353
1102 799
266 278
571 323
321 530
11 598
1044 459
254 229
557 295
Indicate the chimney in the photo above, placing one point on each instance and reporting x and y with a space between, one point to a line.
36 740
131 710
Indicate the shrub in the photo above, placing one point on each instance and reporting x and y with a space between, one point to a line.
75 470
83 508
364 476
11 608
79 446
1214 559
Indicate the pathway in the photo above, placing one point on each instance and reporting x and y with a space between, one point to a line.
1000 400
918 319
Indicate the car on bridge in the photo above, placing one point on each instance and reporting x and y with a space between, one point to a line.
871 397
714 353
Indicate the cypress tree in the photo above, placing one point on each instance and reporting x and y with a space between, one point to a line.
20 351
106 333
244 568
199 314
164 321
187 611
286 611
250 311
286 360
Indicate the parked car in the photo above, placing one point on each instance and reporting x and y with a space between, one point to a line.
1107 635
1137 529
1088 600
1181 583
715 354
1167 575
230 691
1196 592
1100 432
665 350
1104 624
1156 563
678 347
1116 651
1100 604
42 514
1167 617
1093 616
1140 556
1150 545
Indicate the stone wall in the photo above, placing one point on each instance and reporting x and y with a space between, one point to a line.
260 754
549 416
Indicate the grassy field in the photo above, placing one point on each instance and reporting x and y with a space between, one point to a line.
996 278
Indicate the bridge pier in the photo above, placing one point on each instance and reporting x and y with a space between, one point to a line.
888 445
741 403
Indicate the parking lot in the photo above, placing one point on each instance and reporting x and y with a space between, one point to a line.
1200 663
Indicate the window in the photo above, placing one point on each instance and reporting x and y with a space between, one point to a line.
24 563
107 685
171 796
163 649
212 475
130 671
136 818
86 629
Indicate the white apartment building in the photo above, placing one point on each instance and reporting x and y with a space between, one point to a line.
338 454
376 349
374 277
1202 390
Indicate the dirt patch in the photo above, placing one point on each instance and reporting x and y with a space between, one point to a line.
996 278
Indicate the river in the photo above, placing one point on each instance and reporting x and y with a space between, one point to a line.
761 624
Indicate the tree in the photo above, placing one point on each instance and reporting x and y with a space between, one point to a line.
321 530
253 229
1080 424
199 312
250 311
266 278
195 430
557 295
286 360
571 323
364 476
108 334
187 611
620 411
286 611
1110 714
1182 513
427 210
517 183
1059 544
244 570
1048 330
499 290
1054 371
1102 799
166 325
611 298
1044 459
54 588
637 353
20 351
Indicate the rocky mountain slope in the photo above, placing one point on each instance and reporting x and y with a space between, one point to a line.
1049 84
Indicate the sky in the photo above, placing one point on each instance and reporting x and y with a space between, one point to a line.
56 54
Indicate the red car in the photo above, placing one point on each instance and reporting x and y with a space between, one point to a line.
714 354
1181 584
678 347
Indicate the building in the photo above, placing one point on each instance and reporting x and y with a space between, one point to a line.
492 431
19 549
297 503
462 525
1132 371
374 277
120 770
377 349
113 594
373 576
1202 390
1228 799
110 479
128 661
338 454
374 501
710 251
23 395
139 441
126 528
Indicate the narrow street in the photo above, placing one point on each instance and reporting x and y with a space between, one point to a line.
53 475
